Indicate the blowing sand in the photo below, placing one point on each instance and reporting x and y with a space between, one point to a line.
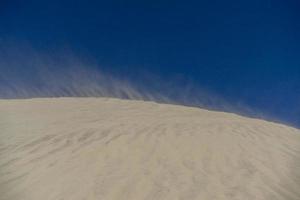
106 149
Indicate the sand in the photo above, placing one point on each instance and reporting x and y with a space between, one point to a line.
105 149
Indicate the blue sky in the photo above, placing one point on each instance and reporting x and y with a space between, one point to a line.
245 52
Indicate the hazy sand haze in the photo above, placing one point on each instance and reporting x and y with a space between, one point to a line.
102 148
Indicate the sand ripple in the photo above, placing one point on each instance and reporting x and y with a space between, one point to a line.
89 148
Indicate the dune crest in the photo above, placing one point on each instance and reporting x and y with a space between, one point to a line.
102 148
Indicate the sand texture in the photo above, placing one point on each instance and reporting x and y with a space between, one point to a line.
110 149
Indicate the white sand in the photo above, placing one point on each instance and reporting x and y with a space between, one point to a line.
104 149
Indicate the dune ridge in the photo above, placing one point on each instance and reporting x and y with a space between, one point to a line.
104 148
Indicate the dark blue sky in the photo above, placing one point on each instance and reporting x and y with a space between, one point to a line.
247 52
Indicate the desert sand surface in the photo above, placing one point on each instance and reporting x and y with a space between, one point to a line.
111 149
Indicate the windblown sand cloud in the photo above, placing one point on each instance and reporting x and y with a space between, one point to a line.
103 148
26 73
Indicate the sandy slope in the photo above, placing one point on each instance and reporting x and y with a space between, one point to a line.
88 148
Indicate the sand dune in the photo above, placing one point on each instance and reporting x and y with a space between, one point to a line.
105 149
